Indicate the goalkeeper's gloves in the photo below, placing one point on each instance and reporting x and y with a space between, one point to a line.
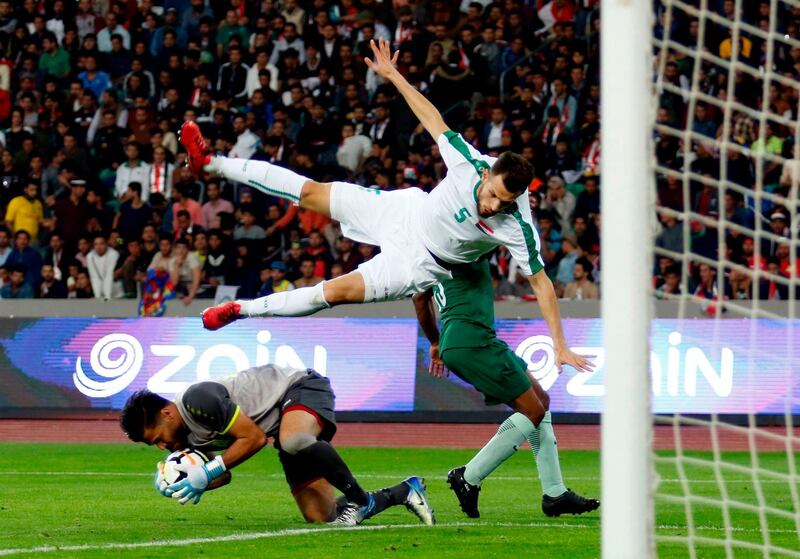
160 483
192 487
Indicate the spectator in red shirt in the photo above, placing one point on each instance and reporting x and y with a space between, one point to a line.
180 201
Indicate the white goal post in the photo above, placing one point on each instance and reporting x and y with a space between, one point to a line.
626 101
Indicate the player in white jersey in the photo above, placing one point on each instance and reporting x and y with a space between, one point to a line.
481 204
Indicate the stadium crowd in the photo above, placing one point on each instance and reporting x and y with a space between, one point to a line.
742 164
94 190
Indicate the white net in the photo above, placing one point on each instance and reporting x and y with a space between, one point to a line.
727 162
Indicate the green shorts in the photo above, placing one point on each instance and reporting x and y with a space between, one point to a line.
494 370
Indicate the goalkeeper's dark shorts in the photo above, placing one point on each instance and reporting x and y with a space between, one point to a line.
312 394
494 370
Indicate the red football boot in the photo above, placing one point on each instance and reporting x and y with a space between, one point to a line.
195 145
223 314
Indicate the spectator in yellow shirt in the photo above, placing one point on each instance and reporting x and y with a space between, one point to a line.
726 47
26 212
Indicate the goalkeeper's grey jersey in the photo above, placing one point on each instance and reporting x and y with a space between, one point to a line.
210 408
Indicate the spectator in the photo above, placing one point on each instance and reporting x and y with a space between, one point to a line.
54 61
162 260
318 250
93 79
181 201
185 271
232 78
133 214
671 236
565 103
583 287
51 288
279 281
214 205
18 286
219 262
560 202
86 20
247 143
161 172
307 277
132 170
347 255
289 39
101 263
672 284
566 264
57 256
232 26
25 212
83 286
133 270
186 229
249 229
707 288
5 248
112 28
26 257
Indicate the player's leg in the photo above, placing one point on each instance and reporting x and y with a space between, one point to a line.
501 377
316 500
313 468
512 432
557 499
368 216
349 288
271 179
307 426
297 437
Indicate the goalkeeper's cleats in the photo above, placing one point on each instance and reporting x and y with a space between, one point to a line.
417 500
353 514
568 502
467 494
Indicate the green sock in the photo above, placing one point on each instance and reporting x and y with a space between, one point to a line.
545 450
500 448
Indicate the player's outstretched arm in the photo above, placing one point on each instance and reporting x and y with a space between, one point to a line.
383 64
426 316
546 295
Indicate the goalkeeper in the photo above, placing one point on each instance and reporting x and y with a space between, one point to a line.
468 346
240 413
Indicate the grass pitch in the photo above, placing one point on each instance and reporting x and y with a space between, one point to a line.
97 501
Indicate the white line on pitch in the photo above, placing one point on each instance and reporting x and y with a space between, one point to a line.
273 534
305 531
381 476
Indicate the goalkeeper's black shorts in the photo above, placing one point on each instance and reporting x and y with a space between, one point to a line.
312 394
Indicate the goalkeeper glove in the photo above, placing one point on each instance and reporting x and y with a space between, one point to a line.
196 481
160 483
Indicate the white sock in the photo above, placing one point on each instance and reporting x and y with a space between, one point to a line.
266 177
545 450
300 302
500 448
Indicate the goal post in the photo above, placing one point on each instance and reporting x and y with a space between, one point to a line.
626 108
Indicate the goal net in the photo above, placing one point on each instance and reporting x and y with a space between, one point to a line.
725 152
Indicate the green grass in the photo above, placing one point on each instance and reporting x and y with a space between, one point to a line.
114 503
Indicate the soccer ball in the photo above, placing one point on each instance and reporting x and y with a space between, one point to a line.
185 457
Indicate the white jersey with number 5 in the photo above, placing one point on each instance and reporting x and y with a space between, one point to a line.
449 222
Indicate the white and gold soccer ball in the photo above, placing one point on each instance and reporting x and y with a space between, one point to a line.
185 457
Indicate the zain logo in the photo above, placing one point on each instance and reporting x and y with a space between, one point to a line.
538 352
116 359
